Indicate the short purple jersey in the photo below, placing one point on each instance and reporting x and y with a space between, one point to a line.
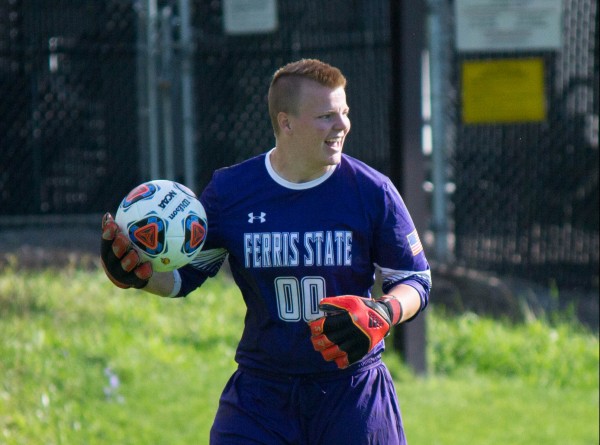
290 245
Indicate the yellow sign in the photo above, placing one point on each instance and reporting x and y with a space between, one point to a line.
503 91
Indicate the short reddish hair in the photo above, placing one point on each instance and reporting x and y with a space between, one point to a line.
285 85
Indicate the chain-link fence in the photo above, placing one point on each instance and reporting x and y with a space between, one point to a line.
525 196
67 116
234 73
78 107
80 115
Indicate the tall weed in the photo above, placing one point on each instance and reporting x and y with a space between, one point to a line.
561 354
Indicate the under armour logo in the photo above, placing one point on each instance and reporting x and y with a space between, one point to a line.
374 322
252 218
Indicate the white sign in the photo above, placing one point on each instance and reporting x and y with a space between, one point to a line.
249 16
508 25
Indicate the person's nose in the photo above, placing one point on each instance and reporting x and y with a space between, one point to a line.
342 123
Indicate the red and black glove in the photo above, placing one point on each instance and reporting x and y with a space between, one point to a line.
352 326
120 260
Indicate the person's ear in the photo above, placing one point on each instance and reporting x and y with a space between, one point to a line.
284 122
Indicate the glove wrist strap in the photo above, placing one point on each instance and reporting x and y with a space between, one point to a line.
394 307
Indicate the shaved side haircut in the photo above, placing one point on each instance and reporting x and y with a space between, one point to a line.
284 91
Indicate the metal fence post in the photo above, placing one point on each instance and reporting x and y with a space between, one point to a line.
406 156
153 124
437 36
165 86
187 95
141 86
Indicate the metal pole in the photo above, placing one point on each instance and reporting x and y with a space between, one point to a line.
187 48
153 124
407 23
166 90
142 88
438 73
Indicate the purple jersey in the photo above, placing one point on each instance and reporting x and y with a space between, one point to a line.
289 245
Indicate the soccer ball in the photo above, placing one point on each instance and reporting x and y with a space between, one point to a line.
165 221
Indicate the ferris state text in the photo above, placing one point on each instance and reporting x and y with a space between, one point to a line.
282 249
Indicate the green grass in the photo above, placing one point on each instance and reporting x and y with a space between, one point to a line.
486 411
66 334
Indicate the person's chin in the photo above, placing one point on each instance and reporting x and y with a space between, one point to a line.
335 158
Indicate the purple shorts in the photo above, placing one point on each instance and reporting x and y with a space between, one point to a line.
352 408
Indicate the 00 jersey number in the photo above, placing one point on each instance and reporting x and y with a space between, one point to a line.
299 300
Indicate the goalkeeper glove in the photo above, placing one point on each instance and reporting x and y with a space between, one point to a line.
352 326
120 260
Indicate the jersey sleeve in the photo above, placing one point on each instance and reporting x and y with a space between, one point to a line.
206 264
210 259
399 254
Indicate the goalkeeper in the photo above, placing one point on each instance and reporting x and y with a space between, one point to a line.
304 229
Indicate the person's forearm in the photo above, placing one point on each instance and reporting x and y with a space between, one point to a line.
161 283
409 299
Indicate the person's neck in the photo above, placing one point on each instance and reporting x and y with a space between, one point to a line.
295 170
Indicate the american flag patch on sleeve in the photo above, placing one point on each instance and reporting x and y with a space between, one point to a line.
414 242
